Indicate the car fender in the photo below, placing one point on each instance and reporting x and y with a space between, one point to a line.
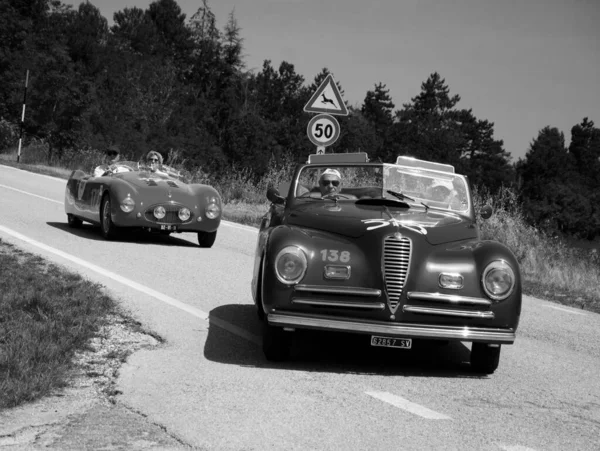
316 246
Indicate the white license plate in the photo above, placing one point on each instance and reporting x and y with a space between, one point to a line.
388 342
168 227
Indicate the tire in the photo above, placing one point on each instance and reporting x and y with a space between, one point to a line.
207 239
73 221
107 227
276 343
258 297
484 358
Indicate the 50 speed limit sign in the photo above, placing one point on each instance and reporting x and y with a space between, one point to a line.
323 130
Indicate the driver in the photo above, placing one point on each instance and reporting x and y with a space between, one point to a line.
330 181
111 156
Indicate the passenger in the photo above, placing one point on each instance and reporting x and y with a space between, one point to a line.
111 156
330 182
154 160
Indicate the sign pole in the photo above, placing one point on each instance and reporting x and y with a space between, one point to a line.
22 116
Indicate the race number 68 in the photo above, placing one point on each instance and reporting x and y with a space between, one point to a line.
323 130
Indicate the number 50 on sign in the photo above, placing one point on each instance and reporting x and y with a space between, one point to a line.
323 130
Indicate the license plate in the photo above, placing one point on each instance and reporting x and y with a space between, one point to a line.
168 227
388 342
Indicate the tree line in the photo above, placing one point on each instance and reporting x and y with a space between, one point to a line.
157 80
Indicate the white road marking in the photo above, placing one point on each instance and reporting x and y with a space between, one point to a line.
31 194
55 178
562 309
239 226
139 287
405 404
514 447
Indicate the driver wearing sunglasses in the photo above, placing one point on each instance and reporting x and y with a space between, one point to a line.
330 181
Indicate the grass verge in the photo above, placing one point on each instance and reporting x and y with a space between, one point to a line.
46 316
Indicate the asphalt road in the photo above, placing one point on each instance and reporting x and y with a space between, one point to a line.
209 386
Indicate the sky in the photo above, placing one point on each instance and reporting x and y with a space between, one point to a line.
521 64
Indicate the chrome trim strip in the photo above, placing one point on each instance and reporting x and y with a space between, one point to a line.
334 303
338 289
449 298
402 330
446 312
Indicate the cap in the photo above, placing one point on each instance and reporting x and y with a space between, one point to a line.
333 172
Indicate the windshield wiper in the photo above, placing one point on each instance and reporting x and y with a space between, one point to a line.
399 196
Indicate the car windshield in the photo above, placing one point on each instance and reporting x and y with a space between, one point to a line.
162 170
412 185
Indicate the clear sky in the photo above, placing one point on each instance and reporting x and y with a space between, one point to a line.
521 64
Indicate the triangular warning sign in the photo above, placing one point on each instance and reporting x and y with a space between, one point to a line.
327 99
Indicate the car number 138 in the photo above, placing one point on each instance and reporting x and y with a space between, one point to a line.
387 342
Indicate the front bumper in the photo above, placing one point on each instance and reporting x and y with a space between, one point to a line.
400 330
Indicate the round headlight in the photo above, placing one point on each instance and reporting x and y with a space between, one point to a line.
184 214
127 204
159 212
498 280
212 211
290 265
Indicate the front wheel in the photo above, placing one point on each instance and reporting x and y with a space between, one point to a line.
485 358
207 239
276 342
107 227
73 221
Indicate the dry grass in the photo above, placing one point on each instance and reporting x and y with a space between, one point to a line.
550 269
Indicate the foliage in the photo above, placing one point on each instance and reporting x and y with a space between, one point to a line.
9 134
561 187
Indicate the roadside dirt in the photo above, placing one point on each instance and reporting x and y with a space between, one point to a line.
87 413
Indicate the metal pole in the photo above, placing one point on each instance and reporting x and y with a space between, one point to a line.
23 116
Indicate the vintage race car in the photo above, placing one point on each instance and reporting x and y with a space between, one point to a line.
131 195
394 254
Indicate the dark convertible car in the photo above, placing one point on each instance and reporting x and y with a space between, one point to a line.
393 253
131 195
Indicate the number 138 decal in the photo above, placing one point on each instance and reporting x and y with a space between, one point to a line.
334 255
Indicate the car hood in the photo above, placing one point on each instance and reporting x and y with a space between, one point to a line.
355 220
146 181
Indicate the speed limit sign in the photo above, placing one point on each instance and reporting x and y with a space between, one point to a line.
323 130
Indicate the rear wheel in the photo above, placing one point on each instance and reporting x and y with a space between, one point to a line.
107 227
485 357
73 221
276 342
207 239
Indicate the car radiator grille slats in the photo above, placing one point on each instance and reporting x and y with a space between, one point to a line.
396 261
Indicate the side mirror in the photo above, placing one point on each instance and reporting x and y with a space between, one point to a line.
486 212
273 196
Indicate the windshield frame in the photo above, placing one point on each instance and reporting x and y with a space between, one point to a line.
419 201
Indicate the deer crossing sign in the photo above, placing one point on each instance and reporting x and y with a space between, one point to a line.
327 99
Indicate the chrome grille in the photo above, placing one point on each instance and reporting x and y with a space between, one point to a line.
396 261
171 216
